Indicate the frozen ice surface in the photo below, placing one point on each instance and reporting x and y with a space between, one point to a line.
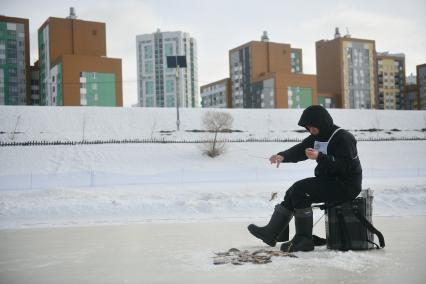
183 253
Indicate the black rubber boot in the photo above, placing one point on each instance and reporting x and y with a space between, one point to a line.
269 233
284 235
318 241
302 241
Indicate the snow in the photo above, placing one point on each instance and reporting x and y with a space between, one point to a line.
115 213
70 185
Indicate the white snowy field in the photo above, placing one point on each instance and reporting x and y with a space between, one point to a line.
45 186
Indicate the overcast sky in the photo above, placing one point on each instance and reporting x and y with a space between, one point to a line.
220 25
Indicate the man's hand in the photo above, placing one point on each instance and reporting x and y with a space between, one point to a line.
311 153
276 159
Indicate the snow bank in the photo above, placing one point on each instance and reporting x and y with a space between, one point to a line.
78 206
32 123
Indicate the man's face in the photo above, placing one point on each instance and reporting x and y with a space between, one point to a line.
313 130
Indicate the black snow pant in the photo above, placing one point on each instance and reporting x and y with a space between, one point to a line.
316 190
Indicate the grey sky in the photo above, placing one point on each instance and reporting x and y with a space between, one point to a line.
220 25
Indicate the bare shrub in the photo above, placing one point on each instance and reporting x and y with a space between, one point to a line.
216 122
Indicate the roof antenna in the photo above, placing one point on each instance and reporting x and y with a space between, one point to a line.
336 33
347 33
265 37
72 14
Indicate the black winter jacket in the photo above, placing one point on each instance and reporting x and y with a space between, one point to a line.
341 160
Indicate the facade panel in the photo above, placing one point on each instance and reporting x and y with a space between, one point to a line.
97 89
299 97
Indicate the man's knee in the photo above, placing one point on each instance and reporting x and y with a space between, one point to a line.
297 194
298 187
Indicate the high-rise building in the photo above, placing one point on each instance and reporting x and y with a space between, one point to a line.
390 81
14 61
411 97
266 74
74 69
159 86
421 85
216 94
35 84
346 69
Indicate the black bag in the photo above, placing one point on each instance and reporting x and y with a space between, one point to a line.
349 225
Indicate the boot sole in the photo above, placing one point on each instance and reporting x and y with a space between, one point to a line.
306 249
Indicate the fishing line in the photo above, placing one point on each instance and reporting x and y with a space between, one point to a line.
318 220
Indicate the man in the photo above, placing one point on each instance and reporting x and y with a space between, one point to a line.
338 177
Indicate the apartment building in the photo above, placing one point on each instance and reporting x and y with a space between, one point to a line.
266 74
346 70
390 81
14 61
159 86
35 84
74 67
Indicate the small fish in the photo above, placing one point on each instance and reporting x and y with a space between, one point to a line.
239 257
273 196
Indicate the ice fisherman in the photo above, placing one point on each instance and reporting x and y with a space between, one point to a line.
338 177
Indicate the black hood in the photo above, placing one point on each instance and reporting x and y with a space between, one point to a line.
318 117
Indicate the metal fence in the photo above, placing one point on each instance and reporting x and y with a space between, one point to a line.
167 140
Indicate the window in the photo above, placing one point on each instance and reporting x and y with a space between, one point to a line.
149 68
147 49
170 84
149 87
349 54
149 101
12 71
170 101
11 61
168 49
